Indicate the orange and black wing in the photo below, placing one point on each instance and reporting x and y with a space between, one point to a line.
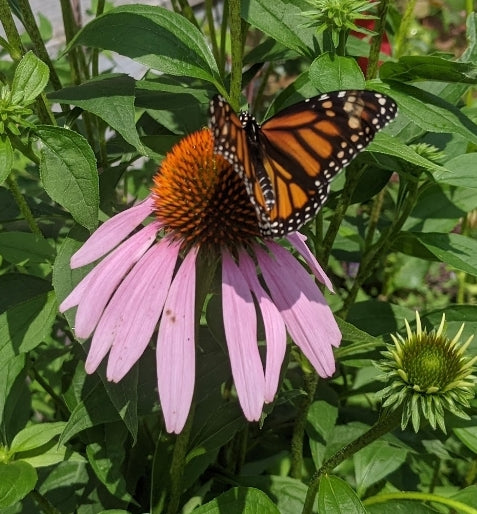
287 163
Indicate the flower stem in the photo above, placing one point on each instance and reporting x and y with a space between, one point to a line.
14 42
236 41
40 48
401 38
178 465
23 206
385 424
373 61
311 382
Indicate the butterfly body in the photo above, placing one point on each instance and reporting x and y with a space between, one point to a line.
287 163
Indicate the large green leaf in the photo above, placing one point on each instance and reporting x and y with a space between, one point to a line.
331 73
375 462
18 479
68 172
156 37
462 171
429 67
24 248
335 496
456 250
35 436
110 98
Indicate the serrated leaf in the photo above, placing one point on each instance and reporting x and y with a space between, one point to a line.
282 21
461 172
34 436
389 145
111 99
456 250
31 77
68 172
419 67
375 462
156 37
332 73
428 111
240 500
6 157
27 324
18 479
335 496
25 248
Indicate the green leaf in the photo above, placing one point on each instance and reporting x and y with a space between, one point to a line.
333 72
468 435
322 416
68 172
392 506
335 496
21 287
18 479
282 20
28 324
456 250
111 99
156 37
429 111
23 248
240 500
35 436
462 170
389 145
31 77
6 157
11 365
375 462
419 67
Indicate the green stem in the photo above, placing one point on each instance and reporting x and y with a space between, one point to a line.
352 180
311 382
35 36
376 42
401 38
74 54
95 51
178 463
236 42
223 38
209 13
15 46
187 11
374 218
373 254
385 424
23 206
454 505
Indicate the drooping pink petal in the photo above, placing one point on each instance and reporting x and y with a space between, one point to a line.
275 332
308 317
175 351
132 314
111 233
138 304
94 291
298 241
240 324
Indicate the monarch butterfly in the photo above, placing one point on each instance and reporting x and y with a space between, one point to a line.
287 163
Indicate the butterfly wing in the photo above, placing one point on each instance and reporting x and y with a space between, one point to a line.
308 143
236 139
288 163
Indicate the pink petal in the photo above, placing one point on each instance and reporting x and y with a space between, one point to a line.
298 241
240 323
309 319
176 347
94 291
111 233
275 332
132 314
141 295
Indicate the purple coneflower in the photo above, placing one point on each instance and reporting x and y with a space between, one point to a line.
149 278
